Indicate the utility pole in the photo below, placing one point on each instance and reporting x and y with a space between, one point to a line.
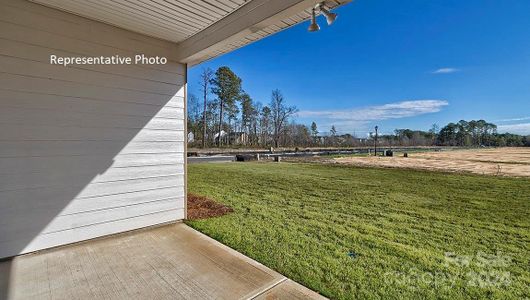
375 141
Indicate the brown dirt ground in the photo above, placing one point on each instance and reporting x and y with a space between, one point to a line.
498 161
200 207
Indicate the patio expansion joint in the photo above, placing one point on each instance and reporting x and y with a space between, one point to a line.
267 288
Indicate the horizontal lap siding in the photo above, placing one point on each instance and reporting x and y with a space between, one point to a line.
90 150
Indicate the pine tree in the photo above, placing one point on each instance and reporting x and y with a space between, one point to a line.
227 87
314 131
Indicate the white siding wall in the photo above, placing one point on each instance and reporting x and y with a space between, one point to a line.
85 151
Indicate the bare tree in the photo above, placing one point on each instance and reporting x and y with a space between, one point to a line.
333 133
280 114
434 132
248 113
194 110
265 124
206 76
256 122
212 113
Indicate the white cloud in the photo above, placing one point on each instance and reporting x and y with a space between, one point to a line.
356 118
445 71
521 128
514 119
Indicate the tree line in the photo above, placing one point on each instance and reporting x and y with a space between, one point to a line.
233 118
226 115
474 133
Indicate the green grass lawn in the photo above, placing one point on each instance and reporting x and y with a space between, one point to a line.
362 233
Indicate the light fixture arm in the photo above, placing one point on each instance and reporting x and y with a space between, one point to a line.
313 26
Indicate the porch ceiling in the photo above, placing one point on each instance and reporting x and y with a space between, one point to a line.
202 29
172 20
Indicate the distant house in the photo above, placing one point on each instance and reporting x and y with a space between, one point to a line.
221 134
238 138
232 138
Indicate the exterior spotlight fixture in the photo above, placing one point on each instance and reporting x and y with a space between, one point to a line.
330 17
313 26
323 9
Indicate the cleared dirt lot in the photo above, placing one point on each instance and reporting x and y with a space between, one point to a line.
499 161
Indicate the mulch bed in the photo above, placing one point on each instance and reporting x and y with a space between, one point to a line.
200 207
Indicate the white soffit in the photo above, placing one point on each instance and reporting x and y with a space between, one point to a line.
195 25
171 20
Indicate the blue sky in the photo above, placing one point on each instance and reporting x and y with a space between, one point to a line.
397 64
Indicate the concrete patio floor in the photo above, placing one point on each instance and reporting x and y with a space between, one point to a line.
167 262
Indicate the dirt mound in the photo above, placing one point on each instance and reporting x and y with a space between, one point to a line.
200 207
